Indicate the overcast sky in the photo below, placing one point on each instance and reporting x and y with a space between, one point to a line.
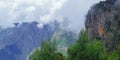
45 11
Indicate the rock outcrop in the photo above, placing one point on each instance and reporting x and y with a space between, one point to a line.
103 23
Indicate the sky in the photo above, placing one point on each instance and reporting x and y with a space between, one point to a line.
45 11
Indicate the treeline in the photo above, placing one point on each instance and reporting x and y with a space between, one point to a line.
83 49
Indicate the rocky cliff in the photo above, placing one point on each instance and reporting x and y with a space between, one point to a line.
103 23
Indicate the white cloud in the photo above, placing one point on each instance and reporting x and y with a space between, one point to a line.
41 2
28 10
2 4
44 11
55 6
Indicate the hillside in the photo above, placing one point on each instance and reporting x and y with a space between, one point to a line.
103 23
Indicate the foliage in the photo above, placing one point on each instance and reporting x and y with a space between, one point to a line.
83 49
115 55
86 49
46 52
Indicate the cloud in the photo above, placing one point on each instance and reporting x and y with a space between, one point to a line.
41 11
30 9
75 11
2 4
55 6
45 11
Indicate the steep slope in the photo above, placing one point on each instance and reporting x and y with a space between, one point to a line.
17 42
103 22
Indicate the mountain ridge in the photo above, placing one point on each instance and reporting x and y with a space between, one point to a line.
17 42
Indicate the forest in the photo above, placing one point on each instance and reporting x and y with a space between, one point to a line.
83 49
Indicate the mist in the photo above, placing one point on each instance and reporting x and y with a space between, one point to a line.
45 11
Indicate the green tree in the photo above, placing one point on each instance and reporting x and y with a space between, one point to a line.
47 51
94 51
115 54
85 49
77 50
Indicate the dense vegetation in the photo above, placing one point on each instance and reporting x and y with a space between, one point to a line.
83 49
46 52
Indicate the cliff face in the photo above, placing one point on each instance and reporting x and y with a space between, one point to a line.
103 23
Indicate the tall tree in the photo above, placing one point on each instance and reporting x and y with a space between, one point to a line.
85 49
47 51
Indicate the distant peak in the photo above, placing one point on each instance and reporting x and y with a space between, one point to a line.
16 24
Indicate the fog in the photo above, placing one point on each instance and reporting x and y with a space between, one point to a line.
45 11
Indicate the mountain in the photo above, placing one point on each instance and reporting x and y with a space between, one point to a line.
103 23
16 43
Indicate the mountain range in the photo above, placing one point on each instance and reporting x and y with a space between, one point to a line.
16 43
